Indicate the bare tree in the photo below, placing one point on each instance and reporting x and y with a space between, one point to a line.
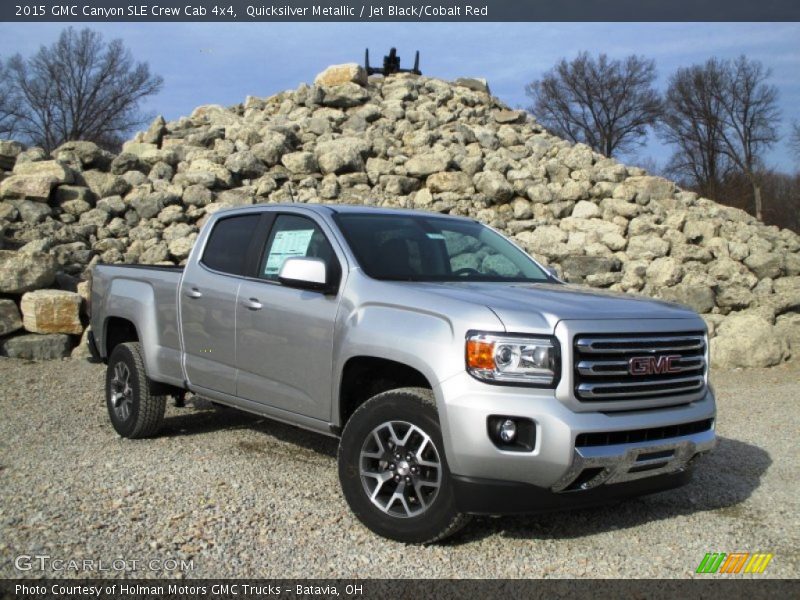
78 88
722 116
750 114
7 105
794 141
692 121
606 104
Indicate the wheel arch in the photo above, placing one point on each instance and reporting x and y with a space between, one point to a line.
365 376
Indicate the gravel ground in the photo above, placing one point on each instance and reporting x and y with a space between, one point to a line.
241 496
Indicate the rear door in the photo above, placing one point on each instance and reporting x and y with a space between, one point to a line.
208 302
285 335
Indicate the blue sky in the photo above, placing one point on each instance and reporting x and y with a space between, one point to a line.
224 62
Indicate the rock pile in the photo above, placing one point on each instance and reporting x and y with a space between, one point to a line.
404 141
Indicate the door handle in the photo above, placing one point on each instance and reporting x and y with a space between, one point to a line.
194 293
252 304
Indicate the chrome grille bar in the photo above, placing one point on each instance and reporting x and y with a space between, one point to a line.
663 387
604 369
651 345
610 368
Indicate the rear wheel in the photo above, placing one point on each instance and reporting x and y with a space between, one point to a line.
393 470
134 411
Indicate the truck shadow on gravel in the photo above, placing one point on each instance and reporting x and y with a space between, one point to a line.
202 418
722 481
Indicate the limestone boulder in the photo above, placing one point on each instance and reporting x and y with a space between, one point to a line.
21 272
51 311
33 346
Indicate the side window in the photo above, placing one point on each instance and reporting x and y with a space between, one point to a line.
293 236
226 249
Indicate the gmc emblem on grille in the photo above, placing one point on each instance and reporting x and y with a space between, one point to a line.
653 365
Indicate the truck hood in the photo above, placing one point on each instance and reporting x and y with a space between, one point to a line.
525 306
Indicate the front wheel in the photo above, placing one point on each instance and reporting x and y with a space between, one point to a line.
134 410
393 470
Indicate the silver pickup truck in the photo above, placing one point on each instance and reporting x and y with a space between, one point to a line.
460 375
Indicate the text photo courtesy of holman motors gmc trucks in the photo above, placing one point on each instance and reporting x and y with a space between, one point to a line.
460 375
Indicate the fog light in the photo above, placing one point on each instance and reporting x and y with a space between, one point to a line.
508 431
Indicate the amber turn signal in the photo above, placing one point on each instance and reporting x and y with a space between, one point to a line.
480 354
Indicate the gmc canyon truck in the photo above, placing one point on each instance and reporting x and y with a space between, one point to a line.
460 375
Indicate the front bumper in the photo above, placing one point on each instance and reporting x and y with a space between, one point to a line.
491 496
556 464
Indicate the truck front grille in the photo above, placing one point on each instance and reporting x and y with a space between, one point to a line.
614 367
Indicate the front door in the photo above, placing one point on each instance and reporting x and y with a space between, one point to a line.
285 335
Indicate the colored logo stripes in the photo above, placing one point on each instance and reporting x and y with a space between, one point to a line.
736 562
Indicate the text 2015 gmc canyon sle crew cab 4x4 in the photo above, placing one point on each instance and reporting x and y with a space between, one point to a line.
461 376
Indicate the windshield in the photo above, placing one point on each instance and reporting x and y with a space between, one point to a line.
422 248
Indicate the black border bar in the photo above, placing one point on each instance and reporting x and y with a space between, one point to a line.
398 10
706 586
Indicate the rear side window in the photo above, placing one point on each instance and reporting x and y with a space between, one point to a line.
227 246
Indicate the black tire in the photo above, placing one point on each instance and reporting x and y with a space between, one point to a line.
440 518
143 411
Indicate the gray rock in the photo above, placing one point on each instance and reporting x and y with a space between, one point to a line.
664 272
789 326
32 212
113 205
9 150
699 298
450 181
646 247
342 74
148 206
34 346
155 254
577 268
300 162
734 297
342 155
586 210
30 187
197 195
510 116
271 148
398 185
155 133
494 186
245 164
160 171
473 83
10 318
426 164
22 272
96 216
344 96
88 153
105 184
764 264
126 162
747 339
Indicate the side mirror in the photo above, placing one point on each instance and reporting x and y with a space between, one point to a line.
304 273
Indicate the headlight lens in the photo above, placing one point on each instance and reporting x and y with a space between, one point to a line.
503 358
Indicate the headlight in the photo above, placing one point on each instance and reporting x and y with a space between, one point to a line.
513 359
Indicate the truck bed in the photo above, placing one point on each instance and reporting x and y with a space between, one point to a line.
142 294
